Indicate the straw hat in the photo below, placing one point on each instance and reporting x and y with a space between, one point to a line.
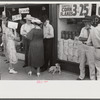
36 20
28 17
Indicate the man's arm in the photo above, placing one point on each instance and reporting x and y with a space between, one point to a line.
82 39
23 32
51 31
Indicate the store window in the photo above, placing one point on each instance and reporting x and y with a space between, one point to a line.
69 26
40 11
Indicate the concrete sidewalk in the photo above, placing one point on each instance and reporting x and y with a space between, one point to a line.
22 73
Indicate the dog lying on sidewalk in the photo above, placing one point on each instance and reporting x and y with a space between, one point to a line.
54 69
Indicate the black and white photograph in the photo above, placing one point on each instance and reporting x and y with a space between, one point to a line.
49 41
43 42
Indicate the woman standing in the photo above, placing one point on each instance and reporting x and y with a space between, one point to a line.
11 50
36 51
4 38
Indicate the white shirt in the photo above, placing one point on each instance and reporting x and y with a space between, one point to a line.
48 31
94 38
84 33
25 28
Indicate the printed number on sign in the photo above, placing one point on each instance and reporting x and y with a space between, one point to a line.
82 10
74 9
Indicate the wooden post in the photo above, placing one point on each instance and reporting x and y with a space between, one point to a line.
53 21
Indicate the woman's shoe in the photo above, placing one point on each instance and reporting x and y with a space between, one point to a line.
30 73
38 74
12 71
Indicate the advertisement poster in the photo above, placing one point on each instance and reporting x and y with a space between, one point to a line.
16 17
23 10
74 10
12 25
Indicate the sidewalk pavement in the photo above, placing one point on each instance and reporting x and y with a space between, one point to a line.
22 73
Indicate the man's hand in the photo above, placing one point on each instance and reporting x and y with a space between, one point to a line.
82 39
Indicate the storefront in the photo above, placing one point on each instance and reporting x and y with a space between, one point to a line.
17 12
68 22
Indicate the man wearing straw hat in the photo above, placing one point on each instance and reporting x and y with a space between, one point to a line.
86 51
25 28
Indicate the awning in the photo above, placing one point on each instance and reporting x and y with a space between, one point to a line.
17 5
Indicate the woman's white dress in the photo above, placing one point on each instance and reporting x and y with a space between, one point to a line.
11 49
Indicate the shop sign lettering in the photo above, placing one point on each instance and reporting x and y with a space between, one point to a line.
16 17
74 10
23 10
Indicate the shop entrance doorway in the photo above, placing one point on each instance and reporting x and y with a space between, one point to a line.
40 11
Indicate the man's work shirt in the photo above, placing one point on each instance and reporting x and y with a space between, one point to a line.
48 31
25 28
84 33
94 37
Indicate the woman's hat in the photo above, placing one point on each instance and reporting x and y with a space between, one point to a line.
36 20
87 19
28 17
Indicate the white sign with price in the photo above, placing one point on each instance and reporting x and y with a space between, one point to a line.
12 25
98 10
74 10
23 10
16 17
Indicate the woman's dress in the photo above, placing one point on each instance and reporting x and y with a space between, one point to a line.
36 50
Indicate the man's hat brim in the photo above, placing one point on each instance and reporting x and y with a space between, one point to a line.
87 19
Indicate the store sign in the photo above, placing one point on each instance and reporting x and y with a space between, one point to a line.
74 10
17 17
12 25
23 10
98 10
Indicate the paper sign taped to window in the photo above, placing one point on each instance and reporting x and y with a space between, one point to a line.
16 17
23 10
12 25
